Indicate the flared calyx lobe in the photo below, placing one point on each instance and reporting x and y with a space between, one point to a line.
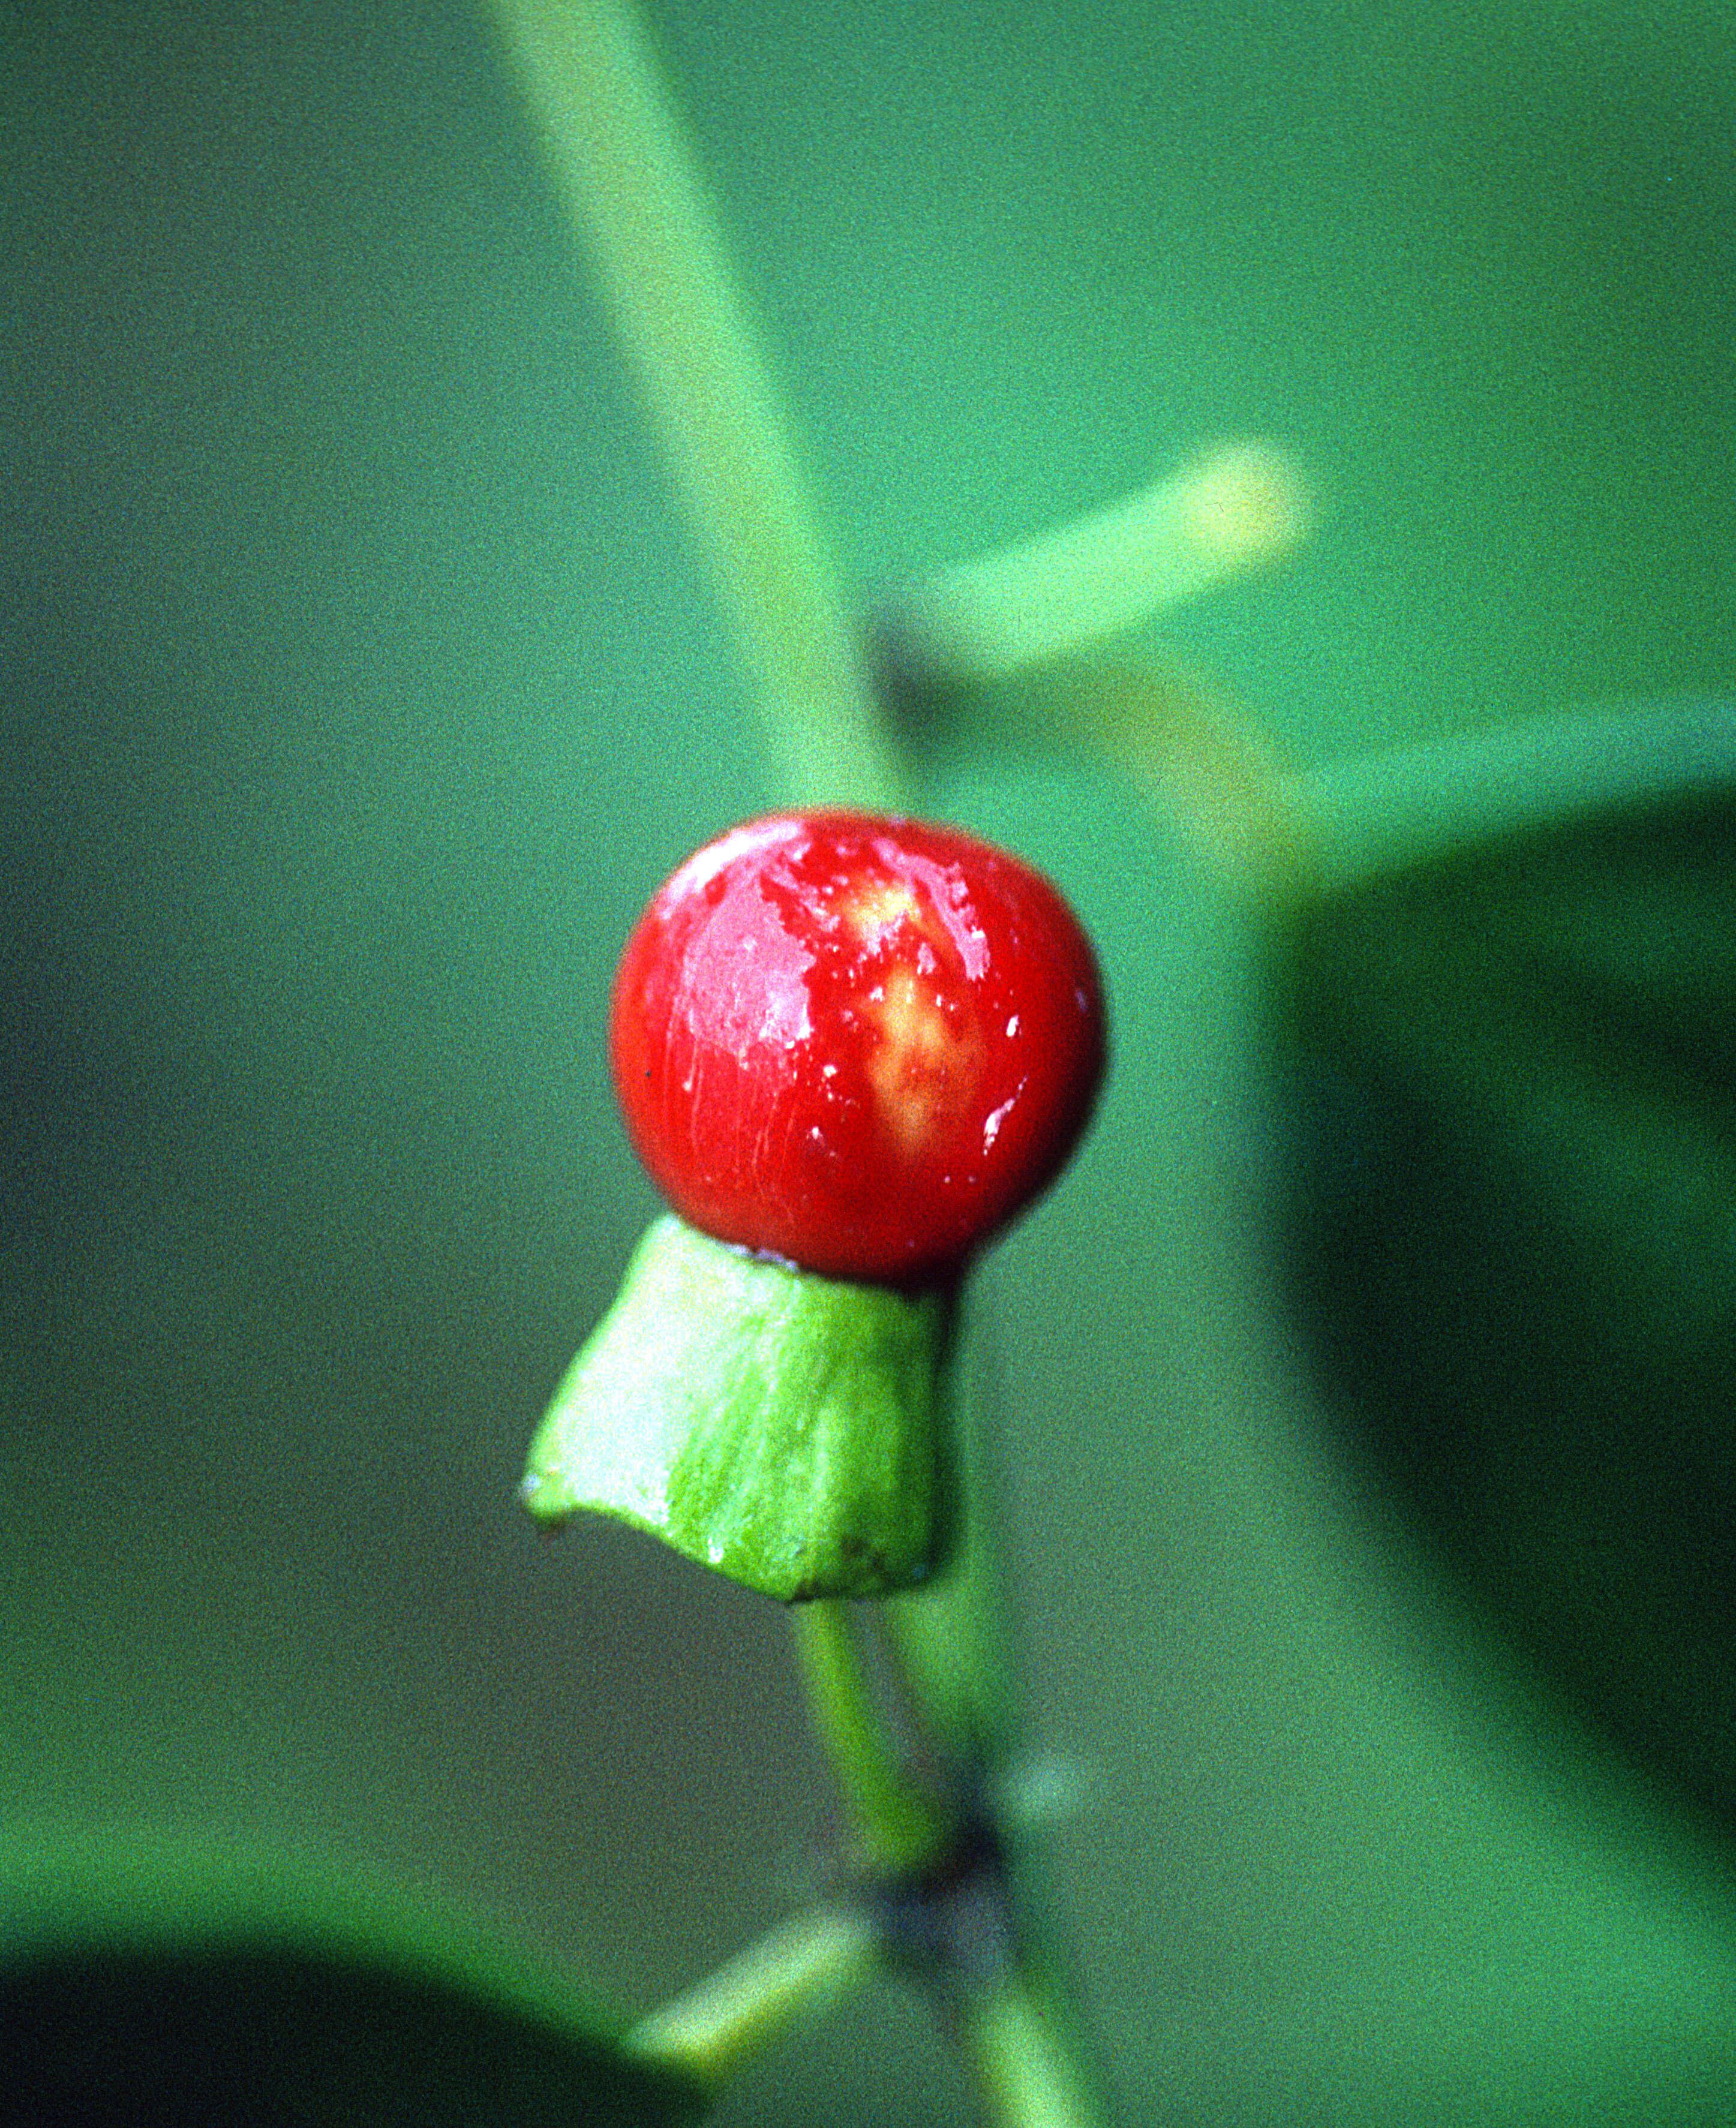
789 1430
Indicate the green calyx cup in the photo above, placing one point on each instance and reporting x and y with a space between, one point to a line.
790 1431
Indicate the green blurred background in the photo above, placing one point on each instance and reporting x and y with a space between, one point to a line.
358 685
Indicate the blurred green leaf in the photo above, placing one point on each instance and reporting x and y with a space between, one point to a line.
145 1980
1510 1221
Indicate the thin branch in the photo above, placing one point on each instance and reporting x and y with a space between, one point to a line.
630 182
1235 510
799 1969
900 1826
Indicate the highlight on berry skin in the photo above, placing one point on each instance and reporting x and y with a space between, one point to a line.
857 1042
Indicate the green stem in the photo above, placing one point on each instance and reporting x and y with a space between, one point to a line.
900 1826
1027 2062
949 1638
802 1966
1014 2028
631 185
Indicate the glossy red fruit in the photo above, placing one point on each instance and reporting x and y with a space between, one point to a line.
858 1043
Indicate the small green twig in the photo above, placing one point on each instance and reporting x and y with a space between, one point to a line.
900 1826
948 1640
944 1870
1233 510
801 1967
1027 2061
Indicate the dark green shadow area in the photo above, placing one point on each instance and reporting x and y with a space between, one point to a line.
1511 1248
285 2038
146 1978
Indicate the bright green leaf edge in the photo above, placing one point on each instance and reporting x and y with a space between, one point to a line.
1376 815
69 1893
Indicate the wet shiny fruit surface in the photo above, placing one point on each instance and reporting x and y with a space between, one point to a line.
858 1043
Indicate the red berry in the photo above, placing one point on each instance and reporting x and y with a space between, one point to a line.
859 1043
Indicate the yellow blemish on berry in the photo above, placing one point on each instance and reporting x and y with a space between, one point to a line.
878 907
923 1071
